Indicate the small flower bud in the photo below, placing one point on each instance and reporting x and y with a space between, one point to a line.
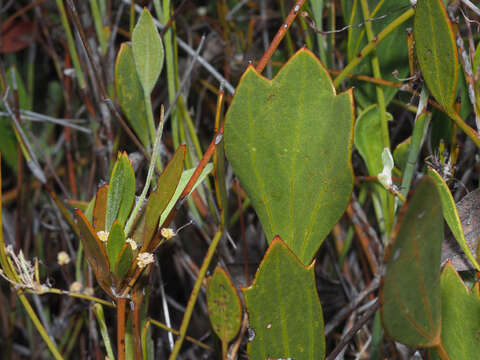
63 258
167 233
132 243
76 287
103 235
144 258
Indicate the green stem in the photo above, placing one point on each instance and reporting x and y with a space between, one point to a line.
372 45
97 21
71 44
196 290
422 120
36 321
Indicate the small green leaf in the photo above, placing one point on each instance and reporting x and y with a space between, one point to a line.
185 178
368 141
289 141
436 51
283 308
410 295
451 215
159 199
400 154
100 208
130 93
224 307
121 192
124 261
115 242
460 316
95 252
147 51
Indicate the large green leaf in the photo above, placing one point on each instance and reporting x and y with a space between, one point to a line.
147 51
130 93
460 317
289 141
368 140
283 308
224 306
121 191
436 51
450 214
410 295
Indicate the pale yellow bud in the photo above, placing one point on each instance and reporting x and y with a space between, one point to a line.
132 243
144 258
103 235
167 233
76 287
63 258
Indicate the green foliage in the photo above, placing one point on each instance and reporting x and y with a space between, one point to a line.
130 93
121 192
224 306
450 214
280 142
460 316
279 301
147 51
436 51
115 242
410 295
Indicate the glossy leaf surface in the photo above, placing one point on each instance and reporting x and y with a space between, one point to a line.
283 308
130 93
436 51
289 141
410 295
147 51
124 261
224 307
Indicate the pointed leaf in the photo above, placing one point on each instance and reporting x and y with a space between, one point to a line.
100 209
224 306
130 93
400 154
95 252
283 308
184 179
436 51
124 261
451 215
410 295
159 199
460 317
147 51
121 192
289 141
115 242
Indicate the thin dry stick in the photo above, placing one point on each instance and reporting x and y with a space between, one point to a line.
348 336
121 313
279 36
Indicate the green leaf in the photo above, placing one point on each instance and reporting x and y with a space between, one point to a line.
184 179
121 192
95 252
147 51
451 215
392 52
224 306
130 93
159 199
368 141
460 316
289 141
400 154
410 295
124 261
436 51
283 308
115 242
